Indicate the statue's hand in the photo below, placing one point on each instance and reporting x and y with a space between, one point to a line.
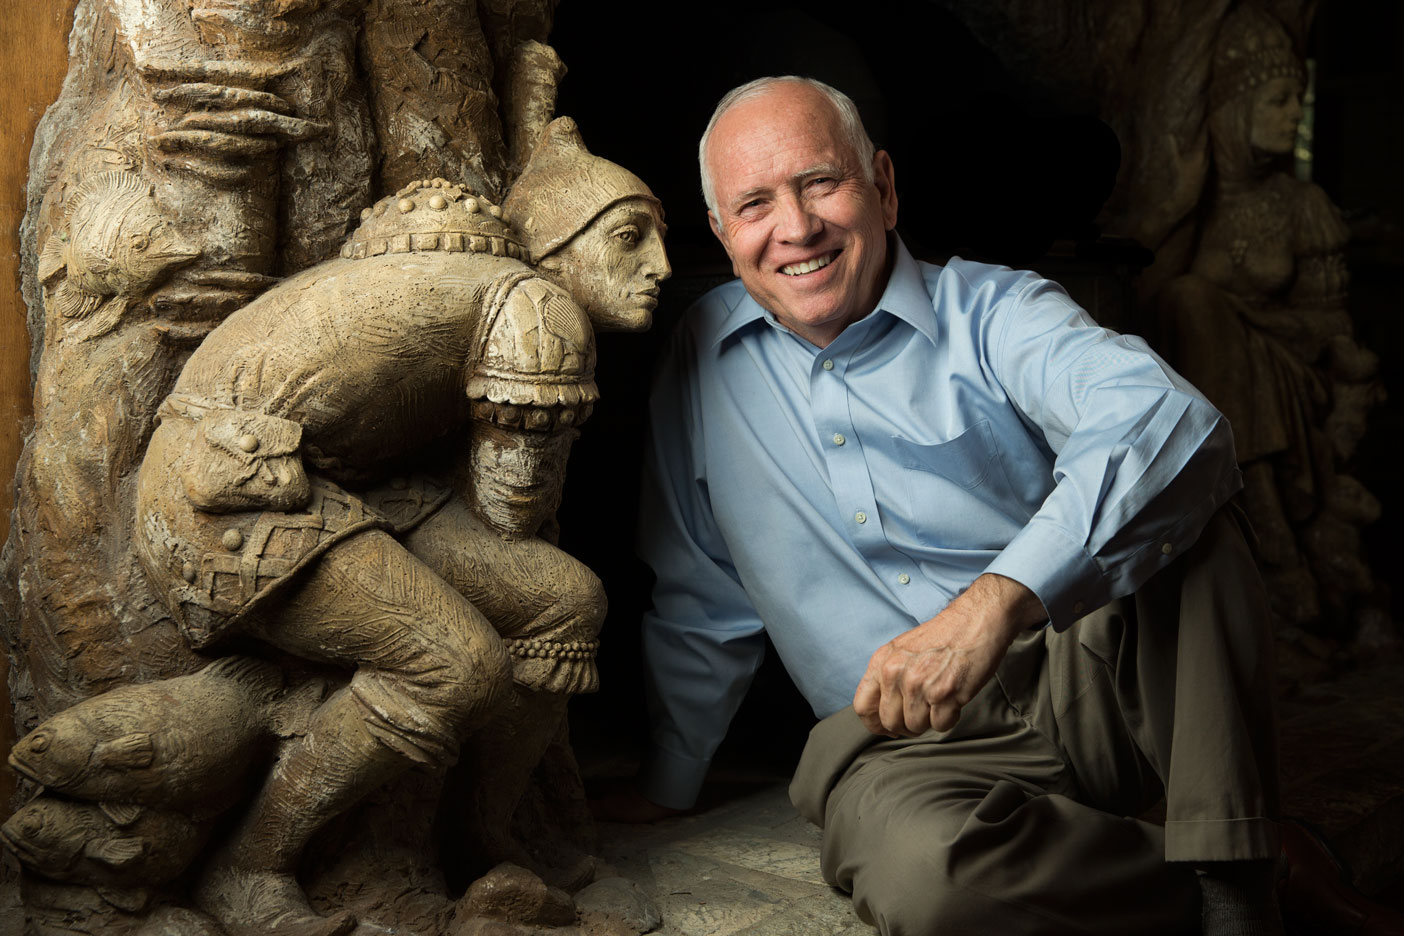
1189 165
220 128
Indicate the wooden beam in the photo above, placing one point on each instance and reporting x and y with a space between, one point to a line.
33 61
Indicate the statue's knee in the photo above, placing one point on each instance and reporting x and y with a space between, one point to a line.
556 652
588 603
471 676
578 610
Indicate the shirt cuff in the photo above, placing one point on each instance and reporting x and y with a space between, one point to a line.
1056 568
672 780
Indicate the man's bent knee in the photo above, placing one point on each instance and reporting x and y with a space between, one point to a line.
904 891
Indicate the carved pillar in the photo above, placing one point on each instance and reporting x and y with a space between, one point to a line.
283 544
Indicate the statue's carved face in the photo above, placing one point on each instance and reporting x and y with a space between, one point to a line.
1277 109
614 266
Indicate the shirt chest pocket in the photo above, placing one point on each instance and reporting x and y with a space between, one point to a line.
955 494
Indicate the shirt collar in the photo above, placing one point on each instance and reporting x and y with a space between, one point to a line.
904 298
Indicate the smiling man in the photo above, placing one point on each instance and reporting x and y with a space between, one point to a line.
805 214
986 538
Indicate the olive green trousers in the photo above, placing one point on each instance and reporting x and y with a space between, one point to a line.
1021 818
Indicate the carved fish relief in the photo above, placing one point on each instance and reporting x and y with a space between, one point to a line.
119 849
185 744
114 246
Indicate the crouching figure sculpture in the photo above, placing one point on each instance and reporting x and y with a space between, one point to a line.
359 469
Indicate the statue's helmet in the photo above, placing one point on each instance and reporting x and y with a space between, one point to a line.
433 215
564 187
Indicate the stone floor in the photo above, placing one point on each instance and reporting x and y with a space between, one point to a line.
748 865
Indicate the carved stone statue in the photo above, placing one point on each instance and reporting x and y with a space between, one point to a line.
1259 323
254 475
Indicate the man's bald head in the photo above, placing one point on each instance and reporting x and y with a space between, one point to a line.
849 120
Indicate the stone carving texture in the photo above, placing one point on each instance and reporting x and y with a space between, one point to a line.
1247 295
282 566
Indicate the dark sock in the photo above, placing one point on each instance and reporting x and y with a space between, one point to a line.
1240 898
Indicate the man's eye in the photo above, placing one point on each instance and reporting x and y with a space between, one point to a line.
629 235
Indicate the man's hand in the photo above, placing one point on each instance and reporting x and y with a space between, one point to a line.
923 678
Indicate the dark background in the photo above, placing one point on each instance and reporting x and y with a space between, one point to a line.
987 165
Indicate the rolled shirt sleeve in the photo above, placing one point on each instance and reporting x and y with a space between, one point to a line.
1142 458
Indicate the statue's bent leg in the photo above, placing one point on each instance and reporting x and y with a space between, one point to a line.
428 668
549 606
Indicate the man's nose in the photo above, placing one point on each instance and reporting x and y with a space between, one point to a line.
796 223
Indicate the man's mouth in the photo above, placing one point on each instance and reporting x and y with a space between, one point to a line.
809 266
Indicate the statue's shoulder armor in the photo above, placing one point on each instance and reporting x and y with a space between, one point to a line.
537 347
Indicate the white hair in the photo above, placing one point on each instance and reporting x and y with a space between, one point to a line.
849 120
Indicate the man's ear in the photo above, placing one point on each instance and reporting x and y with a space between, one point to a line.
884 177
720 231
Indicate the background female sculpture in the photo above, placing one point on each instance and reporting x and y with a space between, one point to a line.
1259 323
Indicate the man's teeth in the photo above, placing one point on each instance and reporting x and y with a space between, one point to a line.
808 266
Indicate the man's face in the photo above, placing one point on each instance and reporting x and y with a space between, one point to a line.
806 233
613 267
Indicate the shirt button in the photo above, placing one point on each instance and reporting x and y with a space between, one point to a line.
861 517
828 364
904 579
839 439
1077 608
1167 548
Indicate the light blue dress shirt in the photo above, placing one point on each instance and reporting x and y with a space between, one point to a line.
977 421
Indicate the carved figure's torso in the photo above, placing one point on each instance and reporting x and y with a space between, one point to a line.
353 367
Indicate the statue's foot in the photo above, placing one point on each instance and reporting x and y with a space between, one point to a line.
516 895
503 849
264 903
572 874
